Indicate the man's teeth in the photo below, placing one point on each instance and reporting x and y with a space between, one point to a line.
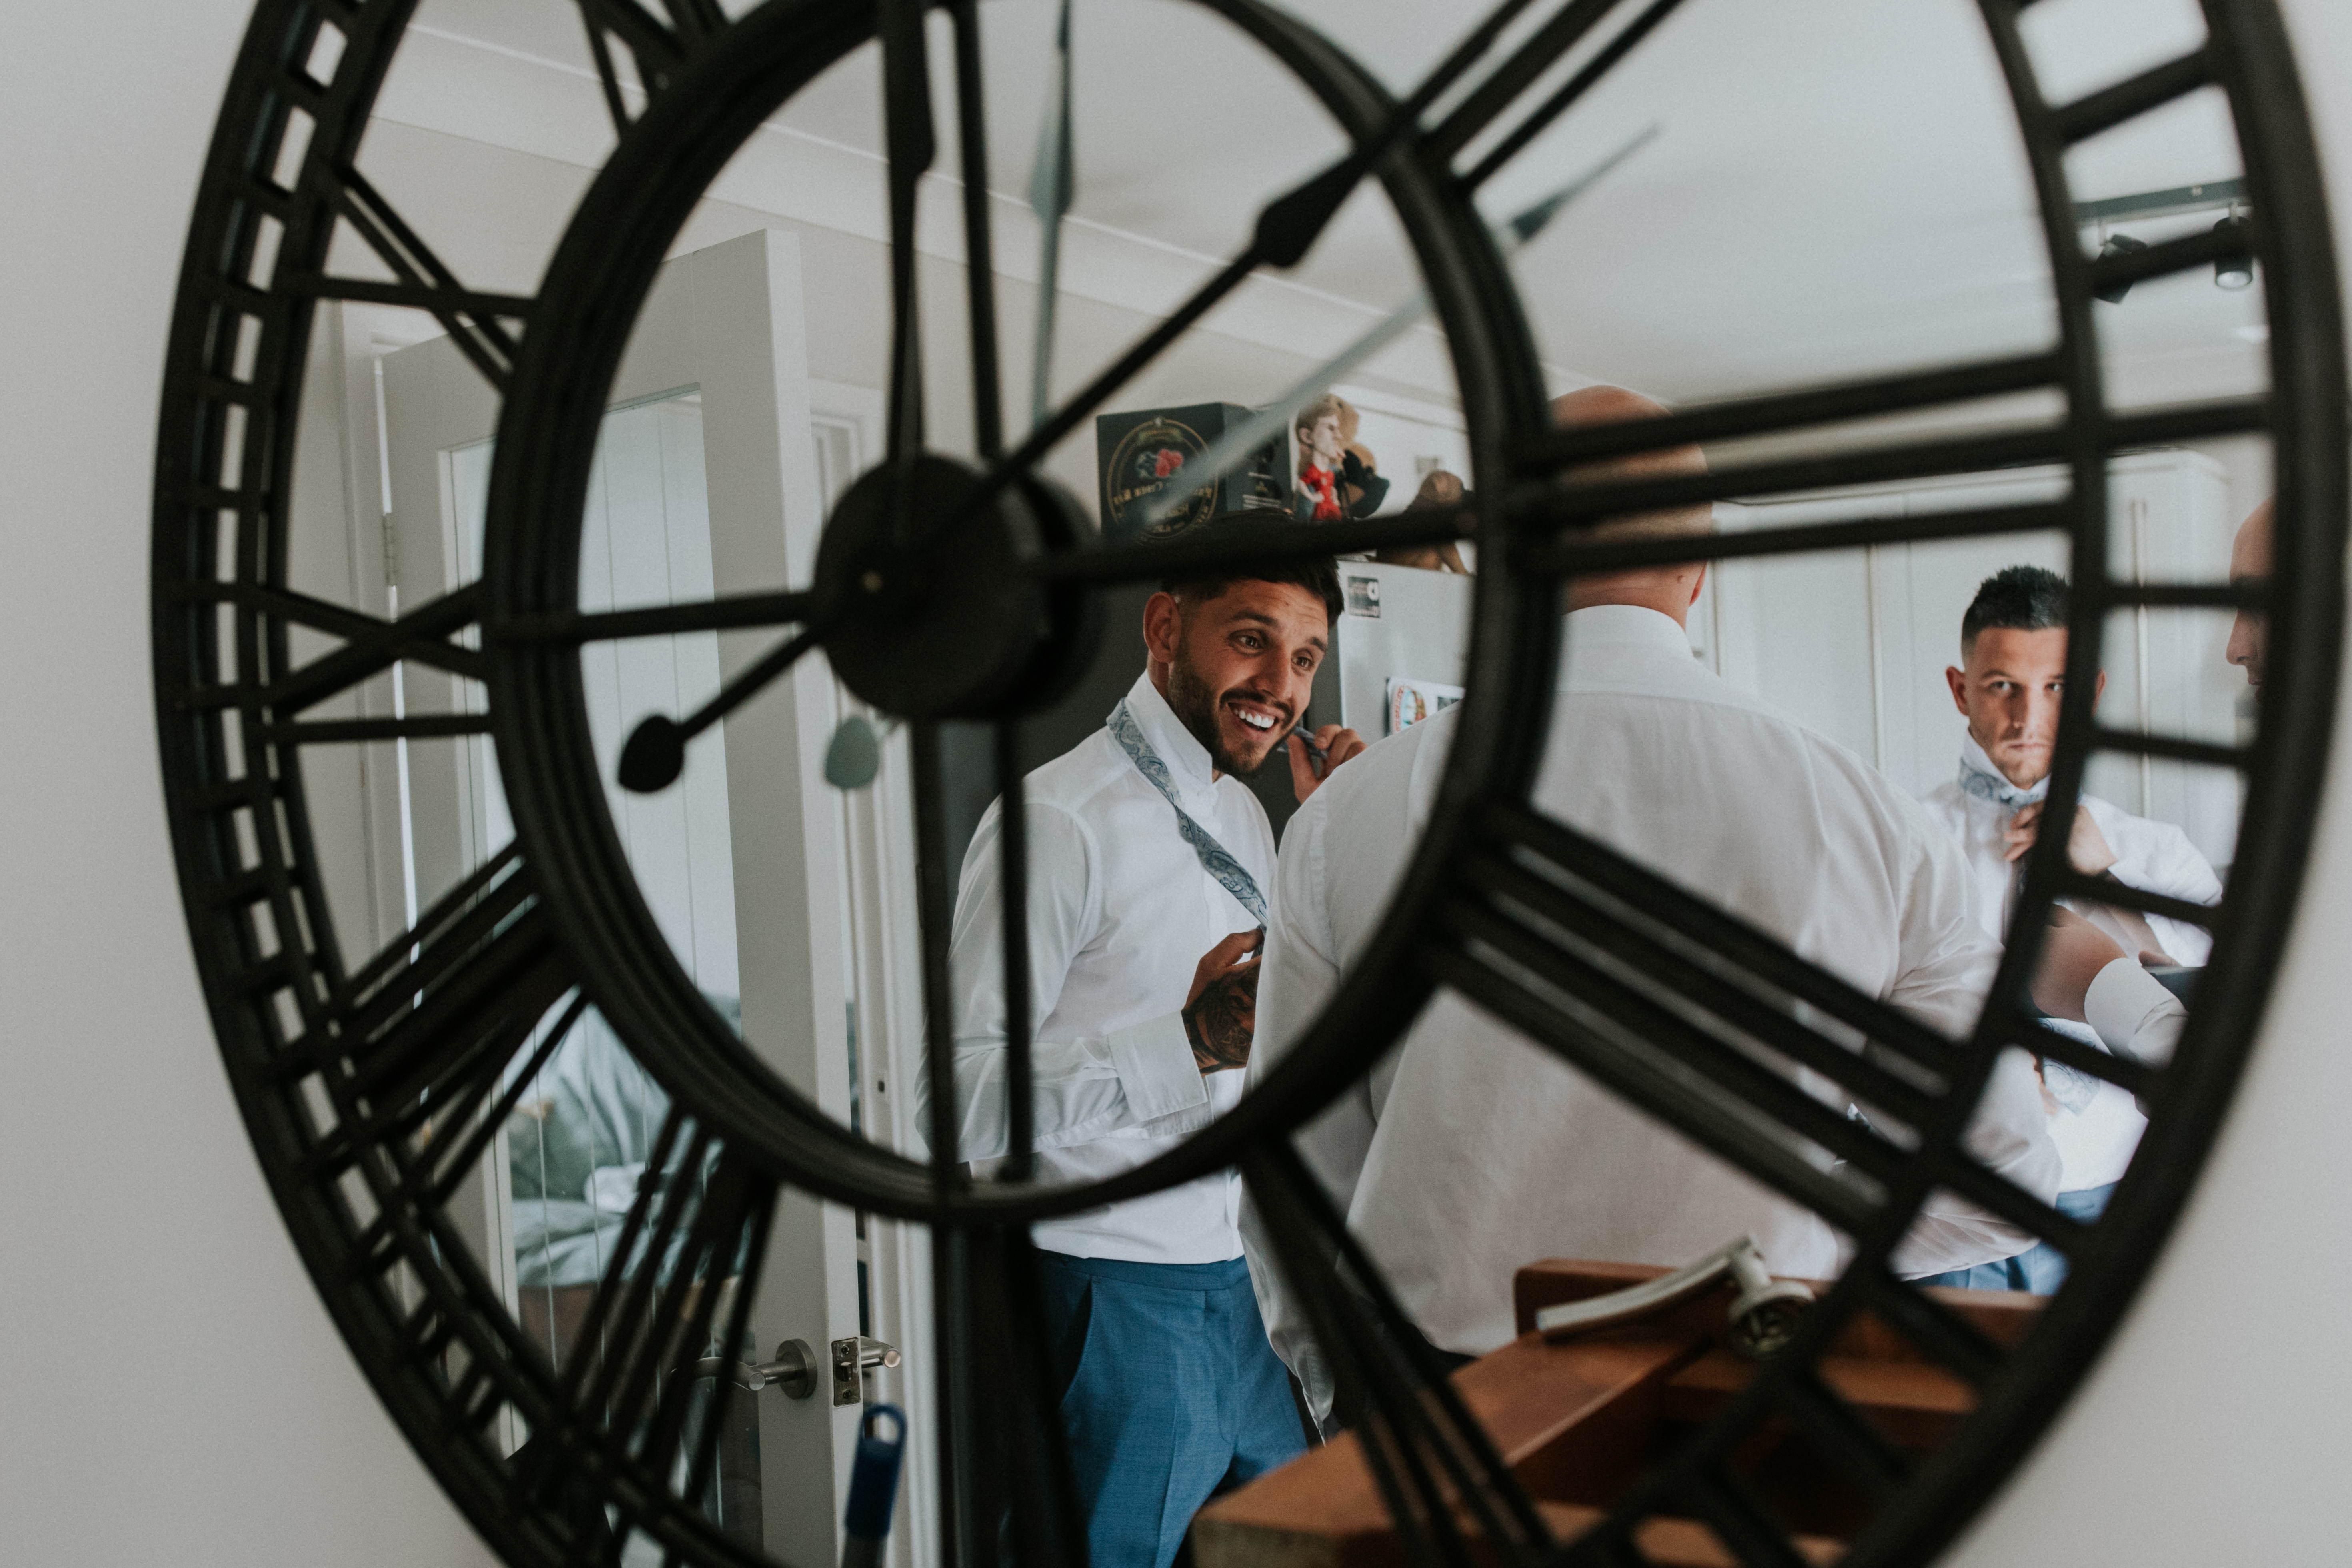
1254 721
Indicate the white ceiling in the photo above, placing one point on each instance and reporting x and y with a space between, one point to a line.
1837 186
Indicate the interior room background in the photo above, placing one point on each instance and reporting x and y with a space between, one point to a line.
173 1391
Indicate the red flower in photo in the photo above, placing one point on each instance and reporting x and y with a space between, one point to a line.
1169 461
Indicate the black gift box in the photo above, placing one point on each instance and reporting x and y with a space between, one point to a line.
1139 456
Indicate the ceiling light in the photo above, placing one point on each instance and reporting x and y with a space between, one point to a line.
2235 269
2117 245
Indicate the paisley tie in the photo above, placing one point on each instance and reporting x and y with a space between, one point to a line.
1215 858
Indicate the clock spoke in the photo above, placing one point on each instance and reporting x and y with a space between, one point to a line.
934 882
1945 1336
1798 408
610 1338
1848 1441
608 72
728 612
1521 72
744 1289
731 1202
1609 941
1552 504
1238 442
658 54
1430 1458
2135 96
370 644
1286 230
336 731
2032 1036
1278 538
911 144
1534 987
1575 551
1013 849
476 322
1702 1022
1004 1449
446 1171
1511 976
696 21
979 247
1726 1506
655 753
1053 186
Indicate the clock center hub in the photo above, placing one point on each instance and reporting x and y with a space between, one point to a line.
933 608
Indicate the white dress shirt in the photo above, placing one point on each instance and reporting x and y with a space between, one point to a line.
1120 912
2095 1144
1471 1151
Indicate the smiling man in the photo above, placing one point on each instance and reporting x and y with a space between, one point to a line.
1148 867
2010 682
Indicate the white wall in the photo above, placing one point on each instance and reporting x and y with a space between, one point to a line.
169 1391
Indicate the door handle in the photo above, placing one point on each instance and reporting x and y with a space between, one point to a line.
853 1358
793 1370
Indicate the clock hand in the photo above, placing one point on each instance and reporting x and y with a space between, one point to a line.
1052 185
1233 448
911 145
655 754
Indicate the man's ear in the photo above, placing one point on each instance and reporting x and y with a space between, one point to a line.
2098 689
1957 681
1163 620
1698 584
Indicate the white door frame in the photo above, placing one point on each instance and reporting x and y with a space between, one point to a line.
730 321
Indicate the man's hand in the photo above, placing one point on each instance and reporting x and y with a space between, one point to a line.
2072 953
1337 746
1221 1011
2086 847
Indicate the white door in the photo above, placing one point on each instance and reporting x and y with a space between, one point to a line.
711 476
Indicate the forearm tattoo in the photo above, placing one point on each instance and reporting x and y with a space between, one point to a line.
1222 1022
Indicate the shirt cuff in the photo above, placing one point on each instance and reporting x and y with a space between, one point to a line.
2128 1006
1155 1067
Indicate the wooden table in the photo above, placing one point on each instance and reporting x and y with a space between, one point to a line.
1580 1421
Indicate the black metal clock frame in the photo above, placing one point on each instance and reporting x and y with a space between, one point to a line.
370 1086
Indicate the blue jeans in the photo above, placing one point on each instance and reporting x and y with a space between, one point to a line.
1172 1394
2043 1268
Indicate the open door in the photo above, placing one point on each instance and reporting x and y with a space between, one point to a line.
713 475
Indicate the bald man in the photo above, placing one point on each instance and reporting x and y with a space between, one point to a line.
2250 566
1471 1151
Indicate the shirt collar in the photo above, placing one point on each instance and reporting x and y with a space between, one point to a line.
1627 626
1188 760
1981 777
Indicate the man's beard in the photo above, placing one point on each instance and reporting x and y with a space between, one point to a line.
1195 706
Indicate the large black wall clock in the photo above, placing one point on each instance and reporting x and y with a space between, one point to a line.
371 1081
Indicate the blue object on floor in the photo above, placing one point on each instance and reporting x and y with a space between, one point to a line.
872 1488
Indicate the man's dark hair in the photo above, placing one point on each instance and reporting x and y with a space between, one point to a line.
2024 598
1318 574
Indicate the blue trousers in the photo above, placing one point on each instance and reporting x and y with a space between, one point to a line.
1171 1395
2043 1268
